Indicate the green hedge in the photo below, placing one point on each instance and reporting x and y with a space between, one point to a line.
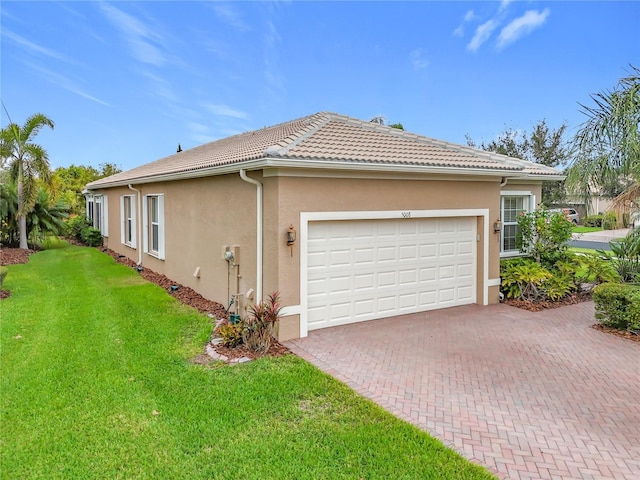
92 237
618 305
593 220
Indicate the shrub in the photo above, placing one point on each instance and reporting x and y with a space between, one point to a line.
544 235
618 305
558 286
609 221
593 221
523 279
260 326
75 225
231 334
3 273
91 236
595 269
627 257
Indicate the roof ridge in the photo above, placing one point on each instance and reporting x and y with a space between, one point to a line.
317 121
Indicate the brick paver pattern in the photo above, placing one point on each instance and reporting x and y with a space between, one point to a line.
528 395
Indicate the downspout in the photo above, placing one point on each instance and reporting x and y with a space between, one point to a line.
243 176
138 224
504 181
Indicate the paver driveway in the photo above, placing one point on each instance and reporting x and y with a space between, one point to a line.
528 395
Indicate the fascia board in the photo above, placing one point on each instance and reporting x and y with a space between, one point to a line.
275 162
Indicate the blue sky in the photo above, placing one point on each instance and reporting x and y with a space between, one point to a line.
125 82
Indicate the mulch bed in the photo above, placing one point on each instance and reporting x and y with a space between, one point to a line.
620 333
14 256
545 305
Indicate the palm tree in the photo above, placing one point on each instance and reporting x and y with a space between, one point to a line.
26 162
608 142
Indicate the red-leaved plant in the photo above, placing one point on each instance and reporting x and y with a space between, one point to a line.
261 324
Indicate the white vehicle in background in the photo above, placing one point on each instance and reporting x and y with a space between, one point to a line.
570 213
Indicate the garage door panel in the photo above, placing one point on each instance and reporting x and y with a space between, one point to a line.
387 304
429 250
407 277
386 254
362 270
386 279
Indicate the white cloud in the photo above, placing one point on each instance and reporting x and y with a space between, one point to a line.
143 40
522 26
34 47
468 17
226 111
65 82
230 15
417 60
483 32
275 80
503 5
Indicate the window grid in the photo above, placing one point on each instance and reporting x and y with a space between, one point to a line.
512 208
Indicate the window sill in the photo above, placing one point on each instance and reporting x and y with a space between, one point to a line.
511 254
155 255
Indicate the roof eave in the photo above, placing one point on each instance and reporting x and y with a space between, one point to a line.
538 176
279 162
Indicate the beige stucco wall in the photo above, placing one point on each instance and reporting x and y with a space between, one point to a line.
202 215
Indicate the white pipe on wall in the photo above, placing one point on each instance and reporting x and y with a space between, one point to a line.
138 223
243 176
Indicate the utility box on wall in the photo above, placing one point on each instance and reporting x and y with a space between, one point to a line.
231 253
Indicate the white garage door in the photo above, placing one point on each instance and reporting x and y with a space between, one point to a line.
367 269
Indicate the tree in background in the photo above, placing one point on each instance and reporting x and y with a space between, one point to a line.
382 120
27 162
70 181
544 146
607 146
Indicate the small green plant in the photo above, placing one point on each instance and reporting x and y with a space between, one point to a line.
618 305
593 220
75 225
3 273
524 280
91 236
260 326
609 221
595 269
626 253
231 334
558 286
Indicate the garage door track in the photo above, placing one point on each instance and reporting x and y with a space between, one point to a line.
528 395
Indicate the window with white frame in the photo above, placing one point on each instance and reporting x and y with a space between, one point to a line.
153 213
512 205
97 213
90 204
128 220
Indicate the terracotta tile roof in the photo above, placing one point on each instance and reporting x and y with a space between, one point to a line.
330 138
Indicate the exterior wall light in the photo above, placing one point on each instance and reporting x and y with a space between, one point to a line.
291 238
497 226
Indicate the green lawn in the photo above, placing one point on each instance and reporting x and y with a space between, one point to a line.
581 229
96 383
